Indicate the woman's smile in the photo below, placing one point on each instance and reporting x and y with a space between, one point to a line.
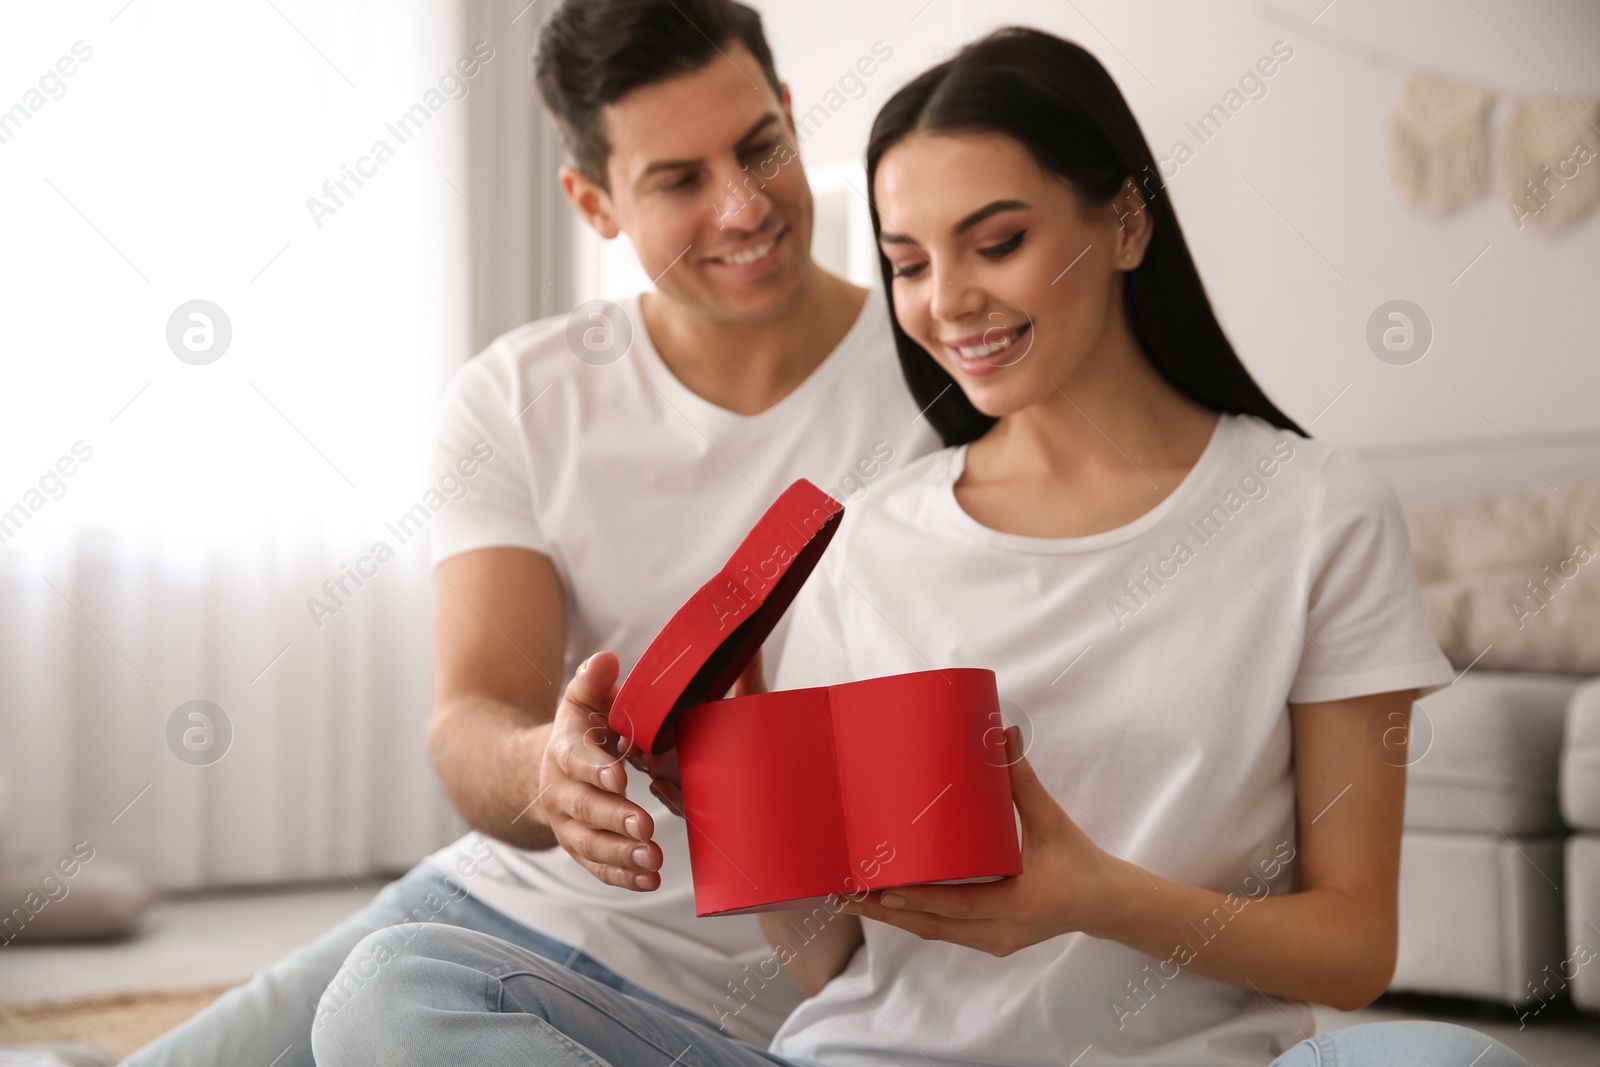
992 350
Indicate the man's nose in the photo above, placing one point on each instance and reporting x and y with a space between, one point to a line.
741 202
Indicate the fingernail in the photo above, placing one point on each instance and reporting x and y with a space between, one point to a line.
892 900
641 856
631 823
608 778
1014 743
642 881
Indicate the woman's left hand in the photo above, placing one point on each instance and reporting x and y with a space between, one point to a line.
1067 882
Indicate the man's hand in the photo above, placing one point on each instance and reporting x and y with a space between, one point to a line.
583 784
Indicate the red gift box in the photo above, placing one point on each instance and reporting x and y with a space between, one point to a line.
792 796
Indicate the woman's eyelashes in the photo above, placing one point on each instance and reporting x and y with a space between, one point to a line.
996 251
909 270
1004 248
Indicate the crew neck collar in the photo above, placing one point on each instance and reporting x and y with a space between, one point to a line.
872 318
1214 453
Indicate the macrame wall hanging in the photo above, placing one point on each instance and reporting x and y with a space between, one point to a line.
1439 144
1440 149
1448 149
1552 173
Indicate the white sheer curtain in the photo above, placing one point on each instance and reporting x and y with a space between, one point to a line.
175 163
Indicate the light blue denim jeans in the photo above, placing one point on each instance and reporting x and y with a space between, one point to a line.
447 995
269 1020
1401 1044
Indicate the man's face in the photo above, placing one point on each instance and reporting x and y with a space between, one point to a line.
706 182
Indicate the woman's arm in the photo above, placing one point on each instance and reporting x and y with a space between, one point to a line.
1331 941
814 945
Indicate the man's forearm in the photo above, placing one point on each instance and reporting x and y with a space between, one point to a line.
487 755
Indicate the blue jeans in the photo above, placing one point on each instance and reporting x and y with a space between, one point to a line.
461 996
272 1015
1401 1044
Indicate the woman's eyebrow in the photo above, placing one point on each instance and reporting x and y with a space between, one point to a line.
987 211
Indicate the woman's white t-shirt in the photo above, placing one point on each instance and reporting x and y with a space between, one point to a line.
1151 667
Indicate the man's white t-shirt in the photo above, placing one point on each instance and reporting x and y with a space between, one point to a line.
638 489
1151 667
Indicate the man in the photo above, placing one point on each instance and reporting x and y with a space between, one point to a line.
617 460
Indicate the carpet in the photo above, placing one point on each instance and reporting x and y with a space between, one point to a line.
119 1023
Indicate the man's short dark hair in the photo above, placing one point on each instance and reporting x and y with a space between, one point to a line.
594 52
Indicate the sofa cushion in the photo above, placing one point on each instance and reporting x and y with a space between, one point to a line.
1580 760
1480 915
1583 920
1489 766
1513 581
1582 961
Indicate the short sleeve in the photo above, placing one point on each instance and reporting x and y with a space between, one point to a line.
813 652
474 424
1366 629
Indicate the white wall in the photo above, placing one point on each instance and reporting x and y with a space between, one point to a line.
1515 336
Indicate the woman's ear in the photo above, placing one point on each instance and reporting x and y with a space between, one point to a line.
1135 224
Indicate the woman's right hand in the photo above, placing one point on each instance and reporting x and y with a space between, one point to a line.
583 785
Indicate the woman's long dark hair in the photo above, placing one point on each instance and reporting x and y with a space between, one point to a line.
1058 102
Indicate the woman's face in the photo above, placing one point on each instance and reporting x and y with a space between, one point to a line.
999 271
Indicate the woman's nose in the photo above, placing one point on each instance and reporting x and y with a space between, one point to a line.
954 297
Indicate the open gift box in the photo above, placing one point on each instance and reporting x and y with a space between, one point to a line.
792 796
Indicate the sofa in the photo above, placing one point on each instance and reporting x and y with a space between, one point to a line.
1500 858
1580 806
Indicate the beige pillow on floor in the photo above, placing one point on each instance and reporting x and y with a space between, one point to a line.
100 899
1516 574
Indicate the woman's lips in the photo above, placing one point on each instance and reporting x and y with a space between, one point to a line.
991 351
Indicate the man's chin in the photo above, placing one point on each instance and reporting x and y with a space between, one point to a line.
756 302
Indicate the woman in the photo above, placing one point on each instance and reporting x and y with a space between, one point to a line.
1208 623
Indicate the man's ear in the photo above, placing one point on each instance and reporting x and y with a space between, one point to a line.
592 202
786 103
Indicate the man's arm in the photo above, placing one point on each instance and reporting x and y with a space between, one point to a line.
520 760
499 633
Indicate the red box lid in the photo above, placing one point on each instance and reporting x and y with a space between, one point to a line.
701 651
